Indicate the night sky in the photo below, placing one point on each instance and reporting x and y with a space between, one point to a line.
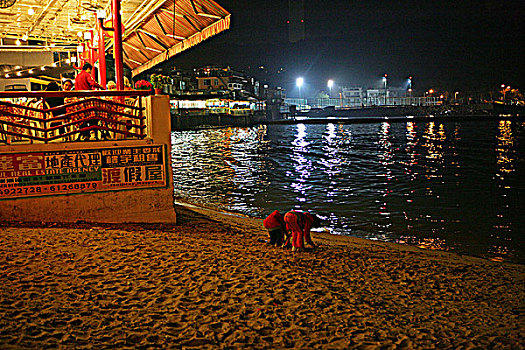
447 45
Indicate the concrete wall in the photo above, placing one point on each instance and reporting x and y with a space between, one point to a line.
148 205
195 121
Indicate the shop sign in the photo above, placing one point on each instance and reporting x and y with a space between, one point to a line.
82 171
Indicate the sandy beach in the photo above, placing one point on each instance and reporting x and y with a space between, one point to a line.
207 283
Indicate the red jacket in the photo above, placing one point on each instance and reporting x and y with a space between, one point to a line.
305 220
84 81
274 220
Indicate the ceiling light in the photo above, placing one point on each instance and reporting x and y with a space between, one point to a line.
42 68
30 12
18 73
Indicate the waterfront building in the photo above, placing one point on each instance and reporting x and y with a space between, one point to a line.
213 78
374 97
182 82
353 96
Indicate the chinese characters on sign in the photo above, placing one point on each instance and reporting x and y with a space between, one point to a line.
81 171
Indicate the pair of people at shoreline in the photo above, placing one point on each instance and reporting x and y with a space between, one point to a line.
294 226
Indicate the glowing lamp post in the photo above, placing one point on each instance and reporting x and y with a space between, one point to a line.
385 79
299 82
504 90
330 85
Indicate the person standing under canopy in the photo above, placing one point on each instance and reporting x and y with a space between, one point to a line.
84 80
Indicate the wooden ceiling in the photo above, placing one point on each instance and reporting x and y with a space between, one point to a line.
155 30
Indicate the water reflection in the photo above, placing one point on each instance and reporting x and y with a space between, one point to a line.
504 148
505 159
449 186
302 165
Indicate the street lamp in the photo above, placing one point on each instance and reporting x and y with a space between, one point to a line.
409 86
385 78
330 84
504 91
299 82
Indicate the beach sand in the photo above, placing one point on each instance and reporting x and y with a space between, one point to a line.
207 283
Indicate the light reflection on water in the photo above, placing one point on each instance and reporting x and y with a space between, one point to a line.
448 186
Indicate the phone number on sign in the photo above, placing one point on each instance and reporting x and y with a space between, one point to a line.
45 189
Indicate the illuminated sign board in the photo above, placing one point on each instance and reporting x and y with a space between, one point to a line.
81 171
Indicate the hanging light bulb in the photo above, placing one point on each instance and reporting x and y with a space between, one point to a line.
18 43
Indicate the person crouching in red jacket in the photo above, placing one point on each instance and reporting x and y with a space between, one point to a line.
300 223
276 227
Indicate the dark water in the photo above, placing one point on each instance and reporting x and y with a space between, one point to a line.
455 186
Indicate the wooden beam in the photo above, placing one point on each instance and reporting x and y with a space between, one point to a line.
160 25
202 13
191 23
176 37
171 13
154 37
139 50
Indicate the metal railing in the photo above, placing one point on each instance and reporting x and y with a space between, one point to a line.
28 116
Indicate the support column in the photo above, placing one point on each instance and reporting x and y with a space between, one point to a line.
101 55
92 56
117 44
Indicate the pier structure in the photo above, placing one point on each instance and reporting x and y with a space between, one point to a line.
91 156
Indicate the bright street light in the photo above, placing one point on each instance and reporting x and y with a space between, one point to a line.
299 82
504 91
385 77
330 85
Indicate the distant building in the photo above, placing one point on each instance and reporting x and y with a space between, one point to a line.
211 78
353 96
352 92
396 92
375 97
182 81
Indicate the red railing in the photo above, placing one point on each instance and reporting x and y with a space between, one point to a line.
27 116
